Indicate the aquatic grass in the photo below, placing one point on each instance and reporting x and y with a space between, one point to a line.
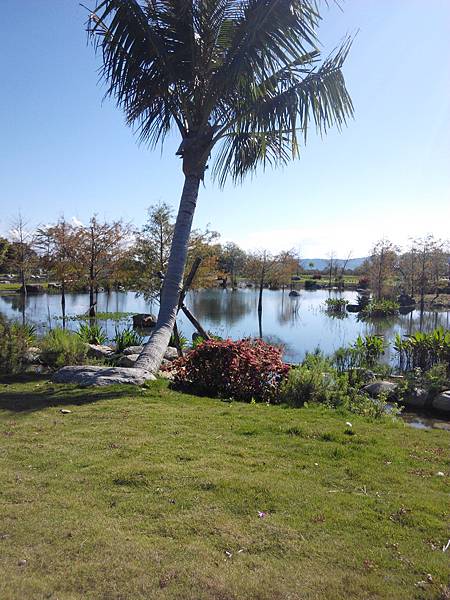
100 316
380 308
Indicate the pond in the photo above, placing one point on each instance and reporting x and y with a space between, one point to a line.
299 323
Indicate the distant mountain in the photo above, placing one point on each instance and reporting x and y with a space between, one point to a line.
320 264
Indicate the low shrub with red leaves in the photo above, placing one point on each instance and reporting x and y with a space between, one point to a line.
242 370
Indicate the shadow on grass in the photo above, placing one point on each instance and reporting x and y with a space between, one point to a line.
44 394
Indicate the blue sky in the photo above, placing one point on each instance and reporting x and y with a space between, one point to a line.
64 151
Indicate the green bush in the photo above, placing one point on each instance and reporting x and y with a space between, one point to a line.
364 353
26 331
315 380
92 334
61 347
14 342
336 305
126 338
423 350
380 308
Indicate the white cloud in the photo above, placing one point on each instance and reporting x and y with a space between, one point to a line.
349 234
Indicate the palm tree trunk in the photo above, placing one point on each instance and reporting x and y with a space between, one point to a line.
153 352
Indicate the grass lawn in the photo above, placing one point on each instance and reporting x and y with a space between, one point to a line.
148 493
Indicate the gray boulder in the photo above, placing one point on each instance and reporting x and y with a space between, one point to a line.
171 353
133 350
442 401
98 351
128 360
32 356
418 399
99 376
376 388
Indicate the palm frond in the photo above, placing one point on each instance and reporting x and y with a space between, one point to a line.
246 72
282 108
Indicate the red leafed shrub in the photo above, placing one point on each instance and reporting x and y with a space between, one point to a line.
242 370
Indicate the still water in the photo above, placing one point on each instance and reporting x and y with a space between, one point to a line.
299 323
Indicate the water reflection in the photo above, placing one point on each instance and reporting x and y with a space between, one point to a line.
300 323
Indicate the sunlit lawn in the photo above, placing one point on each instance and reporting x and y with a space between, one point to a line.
149 493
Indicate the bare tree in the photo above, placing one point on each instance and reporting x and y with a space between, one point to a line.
382 267
21 251
60 245
101 246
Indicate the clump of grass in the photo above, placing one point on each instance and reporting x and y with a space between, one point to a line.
317 381
127 337
336 305
14 342
380 308
61 347
92 333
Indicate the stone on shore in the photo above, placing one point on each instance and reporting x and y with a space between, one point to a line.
442 401
381 387
133 350
99 351
128 360
86 375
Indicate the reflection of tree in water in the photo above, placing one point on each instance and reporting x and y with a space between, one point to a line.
407 324
289 309
276 340
221 306
18 302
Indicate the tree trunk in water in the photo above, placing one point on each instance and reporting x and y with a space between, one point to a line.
153 352
63 303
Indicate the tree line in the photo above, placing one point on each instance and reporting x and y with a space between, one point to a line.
106 255
114 255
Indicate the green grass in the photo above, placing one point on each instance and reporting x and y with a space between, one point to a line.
149 493
6 287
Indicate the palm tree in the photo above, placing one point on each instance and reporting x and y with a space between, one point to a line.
241 77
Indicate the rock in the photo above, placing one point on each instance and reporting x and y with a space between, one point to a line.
293 293
363 374
171 353
376 388
133 350
353 308
128 360
88 375
98 351
442 401
65 411
32 356
144 320
418 399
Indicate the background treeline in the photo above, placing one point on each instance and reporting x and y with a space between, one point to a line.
69 256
